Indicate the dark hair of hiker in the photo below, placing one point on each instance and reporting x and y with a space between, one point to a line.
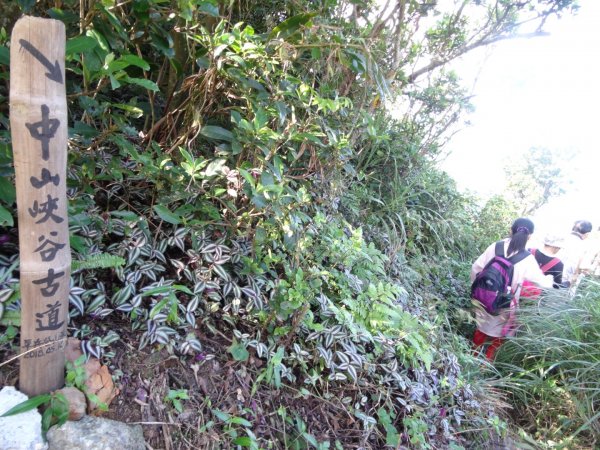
582 226
521 229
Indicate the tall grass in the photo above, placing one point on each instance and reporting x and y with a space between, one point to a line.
552 367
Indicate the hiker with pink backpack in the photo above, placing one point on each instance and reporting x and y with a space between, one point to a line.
497 278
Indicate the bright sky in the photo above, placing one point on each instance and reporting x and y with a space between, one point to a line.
541 92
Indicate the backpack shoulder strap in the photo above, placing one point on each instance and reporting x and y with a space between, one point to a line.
500 248
514 259
550 264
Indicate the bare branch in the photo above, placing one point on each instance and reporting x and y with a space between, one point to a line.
434 64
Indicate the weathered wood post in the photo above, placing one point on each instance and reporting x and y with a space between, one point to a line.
38 120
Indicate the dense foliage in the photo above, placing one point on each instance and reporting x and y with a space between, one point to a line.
552 367
239 194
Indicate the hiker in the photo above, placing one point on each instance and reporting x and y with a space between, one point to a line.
546 258
494 326
573 250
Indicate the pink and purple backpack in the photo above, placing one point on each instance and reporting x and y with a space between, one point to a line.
491 286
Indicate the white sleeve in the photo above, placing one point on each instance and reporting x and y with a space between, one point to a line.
534 273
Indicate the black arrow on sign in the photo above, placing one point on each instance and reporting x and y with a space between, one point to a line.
54 73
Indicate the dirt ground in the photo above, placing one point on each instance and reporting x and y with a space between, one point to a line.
216 388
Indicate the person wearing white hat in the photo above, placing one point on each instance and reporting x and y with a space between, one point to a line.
547 259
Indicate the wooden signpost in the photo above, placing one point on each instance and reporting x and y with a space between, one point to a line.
38 121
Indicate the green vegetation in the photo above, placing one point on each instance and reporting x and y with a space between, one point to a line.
552 367
245 209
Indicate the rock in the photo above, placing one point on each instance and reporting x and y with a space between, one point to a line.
21 431
77 402
101 384
73 349
96 433
98 379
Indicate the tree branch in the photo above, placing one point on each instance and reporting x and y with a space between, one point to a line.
434 64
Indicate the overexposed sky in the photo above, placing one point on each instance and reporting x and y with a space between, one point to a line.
540 92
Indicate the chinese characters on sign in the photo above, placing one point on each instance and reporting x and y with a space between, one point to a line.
43 211
43 131
36 348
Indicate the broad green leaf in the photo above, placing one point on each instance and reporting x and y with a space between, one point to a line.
166 215
182 288
156 290
127 215
259 200
4 55
28 405
291 25
254 84
114 83
26 5
355 61
67 17
186 9
117 66
266 179
11 317
6 155
158 307
80 44
83 129
46 420
260 119
133 110
209 8
243 441
164 43
239 352
112 18
99 38
187 155
216 133
146 84
215 167
311 439
6 218
278 357
236 148
248 177
134 60
203 62
238 59
282 111
220 415
7 191
240 421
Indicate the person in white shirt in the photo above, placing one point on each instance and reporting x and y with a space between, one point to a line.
573 251
491 330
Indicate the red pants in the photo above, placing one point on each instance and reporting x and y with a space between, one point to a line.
493 343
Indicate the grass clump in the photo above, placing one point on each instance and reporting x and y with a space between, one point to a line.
552 367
